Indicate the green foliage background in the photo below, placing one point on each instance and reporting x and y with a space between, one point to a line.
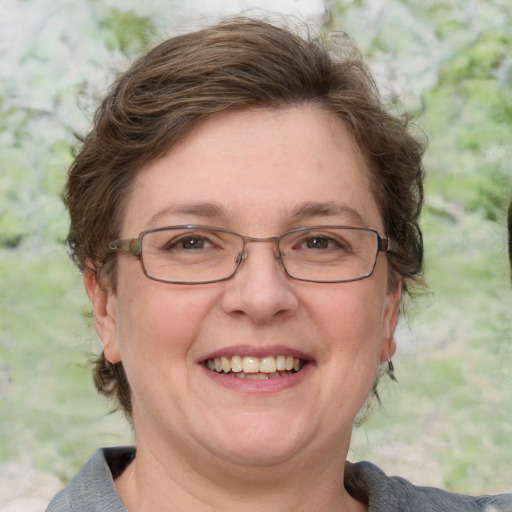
449 63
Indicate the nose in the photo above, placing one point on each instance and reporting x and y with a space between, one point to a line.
260 290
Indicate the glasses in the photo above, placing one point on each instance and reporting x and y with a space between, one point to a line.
203 254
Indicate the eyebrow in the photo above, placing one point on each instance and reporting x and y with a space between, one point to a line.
206 210
313 209
301 211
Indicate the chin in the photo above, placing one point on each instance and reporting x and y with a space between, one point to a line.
260 440
256 455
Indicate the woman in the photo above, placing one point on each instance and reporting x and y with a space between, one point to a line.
245 215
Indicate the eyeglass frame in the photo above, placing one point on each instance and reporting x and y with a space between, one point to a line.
133 246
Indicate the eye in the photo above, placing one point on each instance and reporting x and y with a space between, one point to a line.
189 242
319 242
322 241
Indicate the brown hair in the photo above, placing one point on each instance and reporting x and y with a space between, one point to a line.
239 63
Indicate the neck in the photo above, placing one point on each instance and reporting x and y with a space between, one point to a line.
166 480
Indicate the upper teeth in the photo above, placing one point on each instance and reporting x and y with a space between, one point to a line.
249 364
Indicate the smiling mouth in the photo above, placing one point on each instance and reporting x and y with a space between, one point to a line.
261 368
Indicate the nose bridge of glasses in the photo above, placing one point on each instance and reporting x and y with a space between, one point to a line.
274 240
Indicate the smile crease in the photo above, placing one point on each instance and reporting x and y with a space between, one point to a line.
248 367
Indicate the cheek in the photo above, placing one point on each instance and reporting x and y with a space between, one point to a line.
159 320
350 327
157 339
351 321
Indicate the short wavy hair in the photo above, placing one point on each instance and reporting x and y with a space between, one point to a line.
240 63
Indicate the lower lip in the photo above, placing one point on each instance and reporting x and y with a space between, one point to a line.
258 386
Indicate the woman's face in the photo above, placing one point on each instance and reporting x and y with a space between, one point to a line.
258 173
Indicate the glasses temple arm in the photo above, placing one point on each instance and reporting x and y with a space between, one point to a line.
129 245
386 244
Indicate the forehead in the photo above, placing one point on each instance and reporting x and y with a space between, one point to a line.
255 170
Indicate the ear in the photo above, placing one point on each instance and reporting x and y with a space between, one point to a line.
390 320
103 310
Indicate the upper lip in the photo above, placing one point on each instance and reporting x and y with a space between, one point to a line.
256 351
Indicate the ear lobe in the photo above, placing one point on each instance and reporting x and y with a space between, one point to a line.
103 311
388 350
390 321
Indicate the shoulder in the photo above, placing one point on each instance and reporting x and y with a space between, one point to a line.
93 489
368 483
